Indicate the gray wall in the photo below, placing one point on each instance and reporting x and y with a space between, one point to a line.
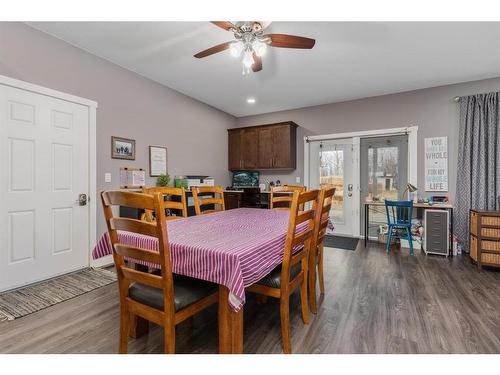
130 106
433 110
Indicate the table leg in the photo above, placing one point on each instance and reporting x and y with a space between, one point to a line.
367 210
230 325
451 232
138 327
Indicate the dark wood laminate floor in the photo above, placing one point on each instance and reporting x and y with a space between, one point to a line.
375 303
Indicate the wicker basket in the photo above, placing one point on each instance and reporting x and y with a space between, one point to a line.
490 220
487 258
490 232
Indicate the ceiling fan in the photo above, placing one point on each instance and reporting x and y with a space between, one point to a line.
251 42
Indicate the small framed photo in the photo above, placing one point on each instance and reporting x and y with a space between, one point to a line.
122 148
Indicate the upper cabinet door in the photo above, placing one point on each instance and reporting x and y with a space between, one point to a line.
250 148
234 156
266 148
284 144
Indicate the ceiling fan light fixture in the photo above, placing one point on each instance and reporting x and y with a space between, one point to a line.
259 47
248 59
236 48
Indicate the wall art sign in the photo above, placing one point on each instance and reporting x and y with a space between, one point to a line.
436 164
157 161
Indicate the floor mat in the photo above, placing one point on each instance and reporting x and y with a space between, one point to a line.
31 298
341 242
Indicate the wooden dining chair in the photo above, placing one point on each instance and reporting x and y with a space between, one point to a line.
322 208
281 196
215 198
175 209
292 273
164 298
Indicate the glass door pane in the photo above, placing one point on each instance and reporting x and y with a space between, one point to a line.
332 176
383 164
331 165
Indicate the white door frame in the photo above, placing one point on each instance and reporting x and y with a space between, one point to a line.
92 106
412 132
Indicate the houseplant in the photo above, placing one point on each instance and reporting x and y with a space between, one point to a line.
163 180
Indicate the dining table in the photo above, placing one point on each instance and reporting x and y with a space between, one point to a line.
233 248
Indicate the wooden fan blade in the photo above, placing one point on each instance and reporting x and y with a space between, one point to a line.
290 41
215 49
257 65
226 25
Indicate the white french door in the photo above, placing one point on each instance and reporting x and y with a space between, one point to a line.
44 168
331 164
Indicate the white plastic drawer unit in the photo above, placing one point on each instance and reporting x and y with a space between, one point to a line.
437 235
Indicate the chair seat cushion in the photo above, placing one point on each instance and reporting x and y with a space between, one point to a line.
186 292
273 279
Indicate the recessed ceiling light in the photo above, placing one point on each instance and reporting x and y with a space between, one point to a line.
251 100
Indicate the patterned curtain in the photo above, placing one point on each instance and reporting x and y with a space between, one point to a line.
478 175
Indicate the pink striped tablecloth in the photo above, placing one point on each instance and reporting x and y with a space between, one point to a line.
234 248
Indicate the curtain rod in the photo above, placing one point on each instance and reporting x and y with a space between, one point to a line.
456 99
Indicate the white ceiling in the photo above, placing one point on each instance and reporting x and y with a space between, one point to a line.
349 61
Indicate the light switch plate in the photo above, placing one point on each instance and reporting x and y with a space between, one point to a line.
107 177
297 180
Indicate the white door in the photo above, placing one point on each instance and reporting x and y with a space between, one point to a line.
331 164
44 166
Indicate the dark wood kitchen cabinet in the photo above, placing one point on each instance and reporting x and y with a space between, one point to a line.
260 147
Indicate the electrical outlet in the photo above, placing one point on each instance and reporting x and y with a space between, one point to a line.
107 177
297 180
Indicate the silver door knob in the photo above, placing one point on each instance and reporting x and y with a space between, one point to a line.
349 190
82 199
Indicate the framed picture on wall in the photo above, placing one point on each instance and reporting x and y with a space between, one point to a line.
122 148
157 161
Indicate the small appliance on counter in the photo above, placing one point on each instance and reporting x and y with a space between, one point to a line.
187 182
438 199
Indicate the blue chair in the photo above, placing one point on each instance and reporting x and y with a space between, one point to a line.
399 214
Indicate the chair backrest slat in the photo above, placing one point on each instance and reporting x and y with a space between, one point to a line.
301 238
133 225
138 253
281 196
132 200
168 193
216 198
143 278
305 215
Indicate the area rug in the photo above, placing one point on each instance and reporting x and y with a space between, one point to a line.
341 242
29 299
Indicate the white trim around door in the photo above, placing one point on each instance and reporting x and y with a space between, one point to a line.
92 107
411 131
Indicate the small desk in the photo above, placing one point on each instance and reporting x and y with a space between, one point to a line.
436 206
